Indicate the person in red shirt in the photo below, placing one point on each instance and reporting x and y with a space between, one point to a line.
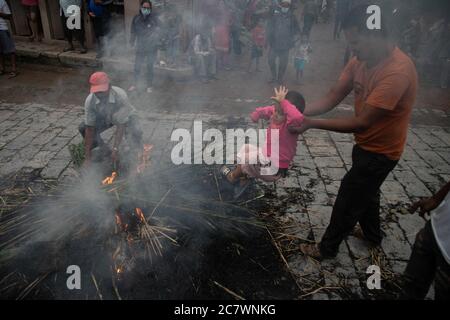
384 81
259 43
32 11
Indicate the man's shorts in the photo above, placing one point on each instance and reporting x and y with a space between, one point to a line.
6 42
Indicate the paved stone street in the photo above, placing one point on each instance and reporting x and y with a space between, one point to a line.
41 109
36 137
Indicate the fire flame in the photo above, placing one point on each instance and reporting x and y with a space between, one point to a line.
109 180
141 215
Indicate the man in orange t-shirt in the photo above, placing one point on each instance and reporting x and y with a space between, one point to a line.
384 81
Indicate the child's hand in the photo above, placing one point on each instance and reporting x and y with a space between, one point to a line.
280 94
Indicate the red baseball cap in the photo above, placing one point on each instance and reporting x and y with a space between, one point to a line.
99 82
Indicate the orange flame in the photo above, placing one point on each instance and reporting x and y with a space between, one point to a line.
141 215
109 180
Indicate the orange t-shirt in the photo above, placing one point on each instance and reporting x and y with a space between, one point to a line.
390 85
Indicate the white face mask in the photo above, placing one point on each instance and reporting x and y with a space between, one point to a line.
284 10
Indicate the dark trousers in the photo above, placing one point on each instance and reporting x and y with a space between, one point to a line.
425 265
308 24
236 40
101 31
358 200
146 59
133 132
283 59
78 34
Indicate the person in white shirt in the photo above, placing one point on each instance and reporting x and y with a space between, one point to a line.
430 257
7 46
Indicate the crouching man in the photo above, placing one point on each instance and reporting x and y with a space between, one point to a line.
107 106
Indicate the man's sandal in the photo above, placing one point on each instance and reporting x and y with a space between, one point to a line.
13 74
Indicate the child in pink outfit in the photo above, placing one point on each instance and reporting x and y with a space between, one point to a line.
287 112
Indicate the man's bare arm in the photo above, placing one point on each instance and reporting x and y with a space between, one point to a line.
335 96
88 142
360 123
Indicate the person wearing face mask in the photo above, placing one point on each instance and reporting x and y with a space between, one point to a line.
282 30
146 35
107 106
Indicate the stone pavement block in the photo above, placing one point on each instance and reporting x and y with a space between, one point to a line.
56 144
319 192
397 266
291 181
426 136
329 162
411 224
312 141
11 167
21 141
302 266
40 160
341 137
64 154
413 186
319 217
415 142
332 174
29 152
357 248
432 158
323 151
304 162
345 150
5 114
332 188
410 155
10 134
7 124
394 244
441 134
394 193
54 168
45 137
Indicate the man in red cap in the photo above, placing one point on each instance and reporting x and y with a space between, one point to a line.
105 107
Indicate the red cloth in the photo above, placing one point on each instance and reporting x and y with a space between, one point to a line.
259 36
30 2
222 38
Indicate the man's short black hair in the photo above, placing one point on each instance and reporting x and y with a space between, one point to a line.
297 99
357 18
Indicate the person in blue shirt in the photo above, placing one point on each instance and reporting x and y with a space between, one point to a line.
100 16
